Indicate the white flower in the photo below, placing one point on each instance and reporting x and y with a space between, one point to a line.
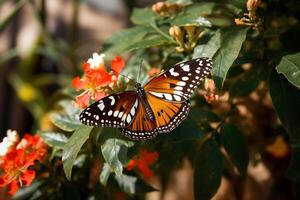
11 138
96 61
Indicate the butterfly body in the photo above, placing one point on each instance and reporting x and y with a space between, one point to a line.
158 107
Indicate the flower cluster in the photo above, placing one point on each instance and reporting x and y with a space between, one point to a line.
166 9
19 156
186 37
143 162
250 18
96 81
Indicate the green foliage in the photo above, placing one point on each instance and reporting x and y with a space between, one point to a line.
72 148
235 145
231 43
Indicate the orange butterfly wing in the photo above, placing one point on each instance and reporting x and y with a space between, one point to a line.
178 83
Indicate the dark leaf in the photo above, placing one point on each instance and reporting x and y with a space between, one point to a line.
286 100
235 145
208 170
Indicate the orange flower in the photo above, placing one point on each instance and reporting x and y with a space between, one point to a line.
15 163
279 148
143 162
96 79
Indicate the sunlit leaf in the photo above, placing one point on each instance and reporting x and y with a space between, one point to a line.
235 145
121 40
208 170
65 122
114 151
72 148
105 173
146 43
210 48
183 20
231 43
54 139
289 66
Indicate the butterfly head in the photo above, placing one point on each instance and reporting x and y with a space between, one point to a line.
138 86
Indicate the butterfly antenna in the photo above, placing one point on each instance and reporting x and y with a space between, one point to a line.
123 75
138 78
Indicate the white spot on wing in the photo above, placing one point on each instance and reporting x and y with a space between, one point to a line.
116 113
112 100
128 119
173 73
157 94
110 113
168 97
101 106
178 88
181 83
185 78
186 68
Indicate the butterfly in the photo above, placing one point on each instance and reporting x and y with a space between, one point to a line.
157 107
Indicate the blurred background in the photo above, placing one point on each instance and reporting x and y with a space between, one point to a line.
42 45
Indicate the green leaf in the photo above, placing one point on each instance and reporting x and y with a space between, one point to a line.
201 9
231 43
142 16
72 148
234 143
114 151
53 139
190 19
133 185
121 40
105 173
289 66
286 100
208 170
65 122
146 43
210 48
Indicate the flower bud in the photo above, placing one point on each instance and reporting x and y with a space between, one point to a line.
253 4
175 31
